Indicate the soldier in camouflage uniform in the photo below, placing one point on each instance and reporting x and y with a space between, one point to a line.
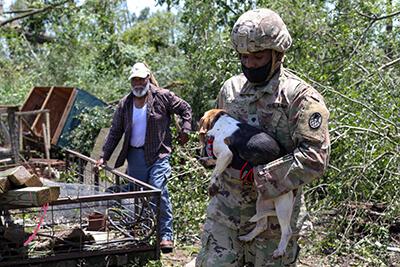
290 110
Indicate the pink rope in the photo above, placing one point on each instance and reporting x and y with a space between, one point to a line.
44 209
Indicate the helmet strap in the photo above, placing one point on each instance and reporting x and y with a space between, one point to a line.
273 68
277 59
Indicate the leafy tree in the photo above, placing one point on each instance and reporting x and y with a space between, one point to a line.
345 49
153 31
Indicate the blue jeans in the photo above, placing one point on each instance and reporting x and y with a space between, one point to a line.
155 175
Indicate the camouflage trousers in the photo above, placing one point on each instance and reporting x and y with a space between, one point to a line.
221 247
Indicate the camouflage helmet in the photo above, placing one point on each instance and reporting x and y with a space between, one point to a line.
260 29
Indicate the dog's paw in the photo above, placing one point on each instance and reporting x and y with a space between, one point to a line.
278 253
213 190
207 162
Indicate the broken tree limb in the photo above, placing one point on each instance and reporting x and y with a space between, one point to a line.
27 14
371 74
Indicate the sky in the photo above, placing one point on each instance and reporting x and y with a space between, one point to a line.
133 5
138 5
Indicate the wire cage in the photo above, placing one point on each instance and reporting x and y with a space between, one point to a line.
101 218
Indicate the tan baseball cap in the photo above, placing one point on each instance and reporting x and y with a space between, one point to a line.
139 70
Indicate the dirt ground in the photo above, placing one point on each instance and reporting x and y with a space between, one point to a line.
179 257
183 255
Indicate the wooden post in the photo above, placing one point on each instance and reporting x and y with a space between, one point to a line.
13 133
47 121
20 135
45 141
30 127
46 147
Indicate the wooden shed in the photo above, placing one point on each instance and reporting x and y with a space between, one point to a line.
63 103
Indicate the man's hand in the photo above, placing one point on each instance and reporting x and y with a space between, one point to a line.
183 138
244 168
99 163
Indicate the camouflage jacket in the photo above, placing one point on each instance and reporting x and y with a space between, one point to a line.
293 113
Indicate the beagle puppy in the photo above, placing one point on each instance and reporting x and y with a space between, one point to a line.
256 147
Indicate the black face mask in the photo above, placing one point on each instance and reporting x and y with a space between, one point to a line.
257 75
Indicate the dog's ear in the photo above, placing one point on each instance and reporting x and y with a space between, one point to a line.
202 137
204 124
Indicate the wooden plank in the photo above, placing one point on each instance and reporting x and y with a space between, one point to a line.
46 144
38 91
34 181
26 124
64 117
27 196
34 101
57 104
36 125
64 92
20 134
54 192
3 109
5 184
17 175
47 123
5 160
31 112
55 189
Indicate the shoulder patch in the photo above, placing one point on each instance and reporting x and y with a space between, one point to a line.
313 121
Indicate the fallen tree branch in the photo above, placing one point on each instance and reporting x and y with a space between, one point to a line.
371 74
28 13
357 128
19 11
376 159
353 100
375 17
36 11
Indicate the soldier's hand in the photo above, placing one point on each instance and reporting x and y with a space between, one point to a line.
241 168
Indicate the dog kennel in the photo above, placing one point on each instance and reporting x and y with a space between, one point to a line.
104 219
